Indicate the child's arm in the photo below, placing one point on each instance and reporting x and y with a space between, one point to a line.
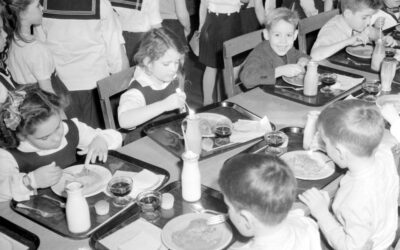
154 15
183 15
289 70
391 115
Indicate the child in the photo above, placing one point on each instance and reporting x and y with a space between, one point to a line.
29 60
158 75
275 57
365 205
36 144
259 191
391 115
349 28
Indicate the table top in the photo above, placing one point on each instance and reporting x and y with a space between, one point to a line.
281 112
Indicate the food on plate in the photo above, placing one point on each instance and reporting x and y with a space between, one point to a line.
102 207
361 51
304 165
207 144
90 181
197 236
205 127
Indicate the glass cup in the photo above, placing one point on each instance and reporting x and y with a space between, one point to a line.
274 141
371 89
327 80
120 187
388 70
149 203
390 52
222 131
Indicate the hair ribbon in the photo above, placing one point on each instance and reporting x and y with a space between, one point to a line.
14 116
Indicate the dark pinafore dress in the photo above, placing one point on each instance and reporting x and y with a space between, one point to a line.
30 161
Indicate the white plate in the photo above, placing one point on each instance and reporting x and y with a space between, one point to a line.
295 80
95 182
221 234
364 52
208 122
389 99
309 166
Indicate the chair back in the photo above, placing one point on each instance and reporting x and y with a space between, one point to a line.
110 90
234 47
310 25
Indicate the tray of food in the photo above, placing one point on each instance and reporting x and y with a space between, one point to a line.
314 169
13 236
47 208
346 84
181 225
168 132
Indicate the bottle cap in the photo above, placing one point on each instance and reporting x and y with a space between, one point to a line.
190 155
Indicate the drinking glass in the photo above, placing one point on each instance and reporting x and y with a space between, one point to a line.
120 187
149 203
275 140
222 131
390 52
327 80
388 70
371 89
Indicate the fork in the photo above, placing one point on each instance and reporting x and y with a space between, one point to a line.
288 87
60 203
40 212
216 219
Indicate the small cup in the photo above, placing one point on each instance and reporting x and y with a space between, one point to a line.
390 52
120 187
371 89
327 80
222 131
149 203
275 142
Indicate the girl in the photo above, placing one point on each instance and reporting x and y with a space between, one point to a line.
157 76
36 144
29 60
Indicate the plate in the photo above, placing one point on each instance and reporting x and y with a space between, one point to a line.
203 237
295 80
208 122
95 182
309 166
389 99
364 52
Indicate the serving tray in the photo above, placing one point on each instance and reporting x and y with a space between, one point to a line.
17 233
320 99
210 199
58 223
158 131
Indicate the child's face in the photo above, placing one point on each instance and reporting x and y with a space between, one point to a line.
48 134
166 67
281 37
360 19
33 13
238 220
332 150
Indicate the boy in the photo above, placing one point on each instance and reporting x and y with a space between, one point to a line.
259 191
338 32
365 205
275 57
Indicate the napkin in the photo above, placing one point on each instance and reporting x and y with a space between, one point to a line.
346 82
143 180
139 233
246 130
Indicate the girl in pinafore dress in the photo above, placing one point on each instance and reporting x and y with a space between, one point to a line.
36 143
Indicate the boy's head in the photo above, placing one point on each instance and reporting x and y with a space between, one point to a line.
280 29
357 13
391 3
260 187
352 126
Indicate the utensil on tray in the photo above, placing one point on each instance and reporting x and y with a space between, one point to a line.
288 87
216 219
39 211
60 203
168 129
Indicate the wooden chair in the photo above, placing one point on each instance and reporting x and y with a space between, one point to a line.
234 47
110 90
312 24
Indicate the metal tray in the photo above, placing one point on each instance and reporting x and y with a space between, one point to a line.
19 234
316 101
58 223
295 135
210 199
171 142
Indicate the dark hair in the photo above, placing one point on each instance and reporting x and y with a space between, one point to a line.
357 5
262 184
355 124
10 15
154 45
37 106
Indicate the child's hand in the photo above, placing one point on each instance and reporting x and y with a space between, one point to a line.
389 41
360 38
317 201
291 70
47 176
390 113
98 148
175 101
303 61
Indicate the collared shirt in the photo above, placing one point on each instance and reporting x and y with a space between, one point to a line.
143 20
224 6
390 21
84 51
11 185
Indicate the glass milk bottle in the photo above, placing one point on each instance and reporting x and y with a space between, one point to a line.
388 71
311 79
191 180
310 128
192 134
77 209
377 55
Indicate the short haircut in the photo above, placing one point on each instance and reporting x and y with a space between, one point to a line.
357 5
281 13
261 184
355 124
